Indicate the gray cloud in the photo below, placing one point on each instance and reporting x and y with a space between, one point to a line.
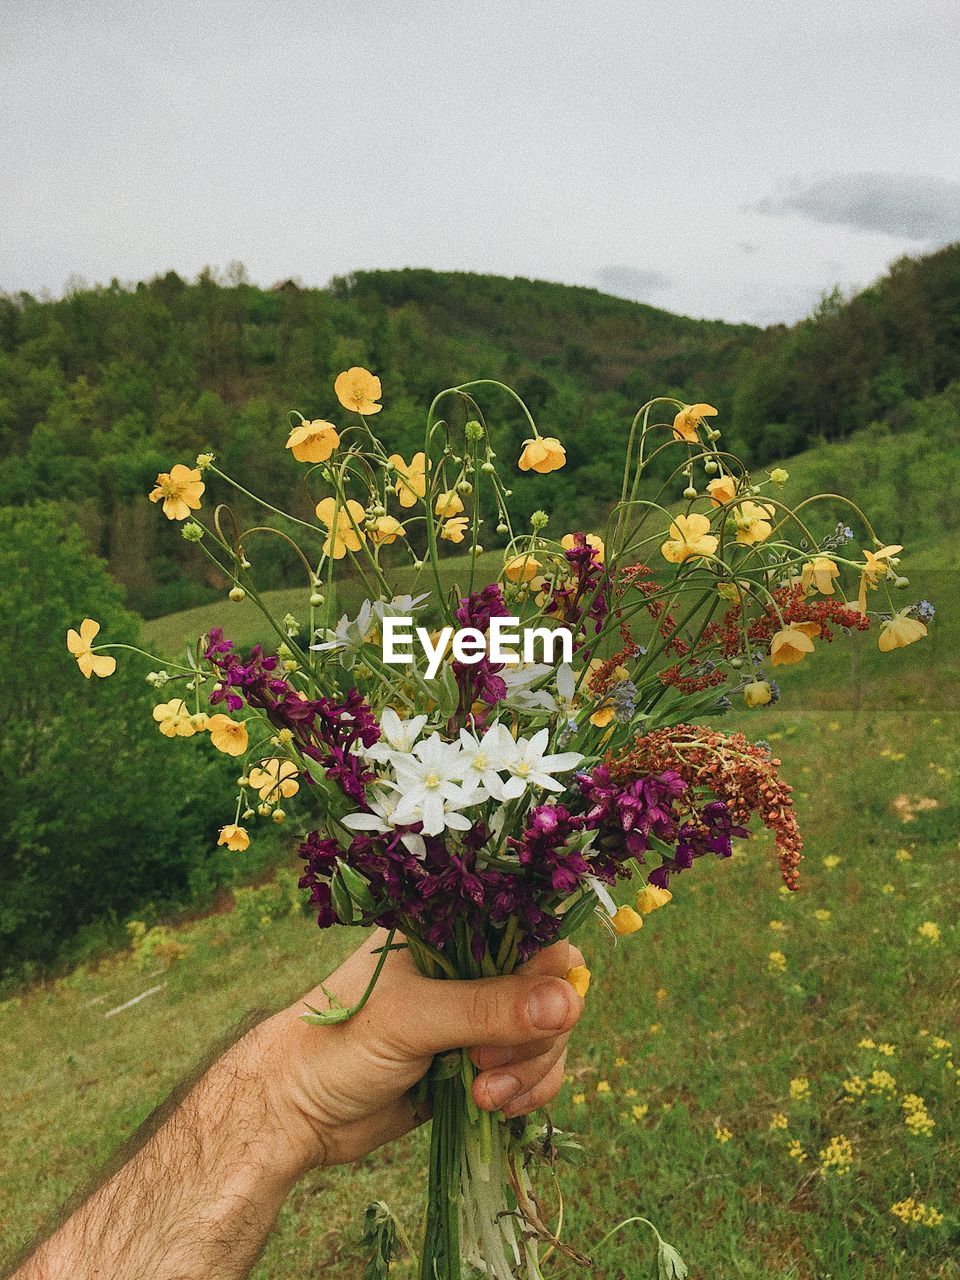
914 207
632 282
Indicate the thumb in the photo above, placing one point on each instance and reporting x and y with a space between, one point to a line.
439 1014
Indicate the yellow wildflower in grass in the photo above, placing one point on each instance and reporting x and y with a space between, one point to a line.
722 1134
348 534
275 779
638 1111
836 1158
174 720
882 1082
818 575
795 1150
777 926
660 994
578 1099
792 644
542 454
626 921
800 1089
579 979
888 888
822 914
358 390
866 1043
180 490
778 1121
831 861
929 932
776 962
448 504
629 1093
654 1028
454 530
234 837
753 521
855 1087
410 478
690 536
939 1045
722 490
903 855
313 441
619 1062
385 530
651 898
603 1086
227 735
522 568
899 631
593 540
914 1213
887 1049
689 418
757 693
80 644
915 1115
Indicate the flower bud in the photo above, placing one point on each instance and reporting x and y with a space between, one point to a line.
473 430
710 467
502 528
264 809
626 921
237 594
316 599
279 816
244 563
247 815
539 520
488 468
900 582
690 492
291 664
192 532
465 487
477 550
779 476
757 693
285 737
204 460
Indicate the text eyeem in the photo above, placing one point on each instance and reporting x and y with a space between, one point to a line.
505 642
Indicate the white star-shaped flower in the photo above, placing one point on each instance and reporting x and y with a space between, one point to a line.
396 735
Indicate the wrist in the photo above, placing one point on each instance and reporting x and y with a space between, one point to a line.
295 1134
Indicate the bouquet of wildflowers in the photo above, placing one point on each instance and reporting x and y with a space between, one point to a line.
488 761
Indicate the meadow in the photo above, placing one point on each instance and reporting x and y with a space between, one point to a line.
773 1078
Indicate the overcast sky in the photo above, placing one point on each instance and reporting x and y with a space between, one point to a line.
716 158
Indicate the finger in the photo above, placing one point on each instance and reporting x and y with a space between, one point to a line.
558 959
487 1056
543 1092
495 1089
433 1015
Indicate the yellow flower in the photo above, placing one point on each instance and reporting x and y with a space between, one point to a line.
822 915
777 926
779 476
831 861
593 541
448 504
227 735
882 1082
855 1087
454 530
276 778
411 479
384 530
174 719
819 574
795 1150
638 1111
793 643
722 490
903 855
522 568
313 441
234 837
578 1099
542 454
757 693
345 537
777 962
753 522
80 644
778 1121
722 1135
800 1088
603 1086
579 979
876 566
899 631
837 1156
180 490
888 888
358 390
651 898
689 536
929 931
688 419
626 921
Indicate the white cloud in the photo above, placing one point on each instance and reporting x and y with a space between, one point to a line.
912 207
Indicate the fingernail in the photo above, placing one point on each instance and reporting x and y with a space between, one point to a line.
547 1007
500 1087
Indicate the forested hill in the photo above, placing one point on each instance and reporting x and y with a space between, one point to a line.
103 388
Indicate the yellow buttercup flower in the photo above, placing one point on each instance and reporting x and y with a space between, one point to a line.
899 631
174 720
358 390
180 490
384 530
819 574
313 441
542 454
579 979
447 504
876 566
722 490
793 643
690 536
753 522
592 540
274 779
411 478
80 644
626 921
454 530
522 568
651 897
227 735
687 420
234 837
348 535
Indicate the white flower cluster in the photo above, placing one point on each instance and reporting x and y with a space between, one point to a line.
431 781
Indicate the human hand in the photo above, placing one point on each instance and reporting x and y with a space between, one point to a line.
342 1090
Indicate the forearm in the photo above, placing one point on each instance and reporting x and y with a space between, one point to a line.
197 1200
